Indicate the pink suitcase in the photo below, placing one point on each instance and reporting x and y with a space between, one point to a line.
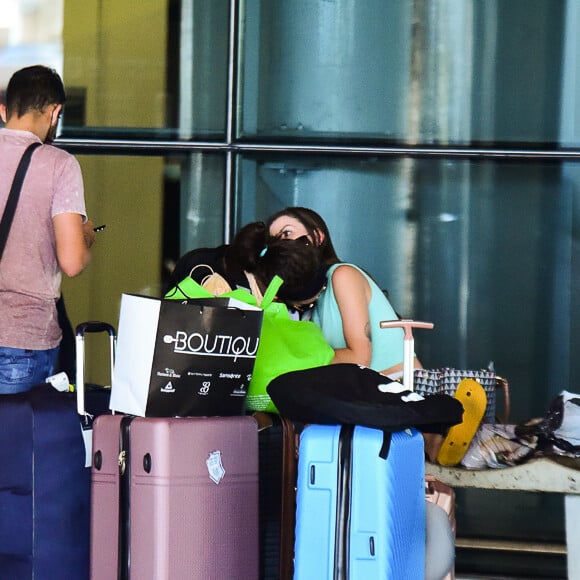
174 498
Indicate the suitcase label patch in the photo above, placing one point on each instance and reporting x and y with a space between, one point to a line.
214 466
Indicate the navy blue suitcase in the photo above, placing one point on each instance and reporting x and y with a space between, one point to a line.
45 484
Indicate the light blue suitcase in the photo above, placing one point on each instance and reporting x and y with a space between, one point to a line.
360 516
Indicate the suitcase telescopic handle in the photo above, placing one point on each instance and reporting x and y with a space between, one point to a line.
408 345
95 326
81 330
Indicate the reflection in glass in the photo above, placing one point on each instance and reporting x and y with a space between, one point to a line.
203 68
155 209
424 72
324 68
24 42
202 207
159 72
476 247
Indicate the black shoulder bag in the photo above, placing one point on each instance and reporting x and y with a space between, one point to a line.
67 345
14 195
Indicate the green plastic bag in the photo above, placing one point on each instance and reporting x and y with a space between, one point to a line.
285 344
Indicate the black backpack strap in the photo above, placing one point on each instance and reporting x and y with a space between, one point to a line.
384 452
14 195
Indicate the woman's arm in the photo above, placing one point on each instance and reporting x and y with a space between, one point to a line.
353 294
396 371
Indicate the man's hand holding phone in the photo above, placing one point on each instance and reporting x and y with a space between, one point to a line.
89 233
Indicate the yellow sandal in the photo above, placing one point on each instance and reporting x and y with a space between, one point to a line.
472 396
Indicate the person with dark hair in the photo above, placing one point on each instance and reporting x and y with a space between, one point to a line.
295 261
201 262
50 233
352 305
304 221
255 255
349 311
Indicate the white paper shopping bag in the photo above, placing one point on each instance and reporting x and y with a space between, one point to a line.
184 358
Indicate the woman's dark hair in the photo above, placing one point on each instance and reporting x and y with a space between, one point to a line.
32 89
297 262
247 245
313 224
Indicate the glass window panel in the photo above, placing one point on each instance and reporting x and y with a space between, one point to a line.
126 194
141 199
323 69
203 77
116 67
30 32
132 70
202 210
484 249
453 72
523 516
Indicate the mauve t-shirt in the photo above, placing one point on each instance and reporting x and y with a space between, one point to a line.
29 273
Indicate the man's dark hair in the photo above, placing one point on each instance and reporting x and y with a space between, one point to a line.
32 89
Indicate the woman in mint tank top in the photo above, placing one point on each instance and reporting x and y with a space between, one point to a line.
351 307
348 311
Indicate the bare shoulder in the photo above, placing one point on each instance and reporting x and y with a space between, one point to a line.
347 276
345 273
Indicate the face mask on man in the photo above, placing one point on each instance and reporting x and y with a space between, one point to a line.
54 118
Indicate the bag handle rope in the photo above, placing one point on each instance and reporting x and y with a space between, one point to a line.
271 292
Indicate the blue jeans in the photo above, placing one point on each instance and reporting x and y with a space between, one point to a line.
20 369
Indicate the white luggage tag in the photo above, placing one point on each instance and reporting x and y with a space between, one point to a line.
60 382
